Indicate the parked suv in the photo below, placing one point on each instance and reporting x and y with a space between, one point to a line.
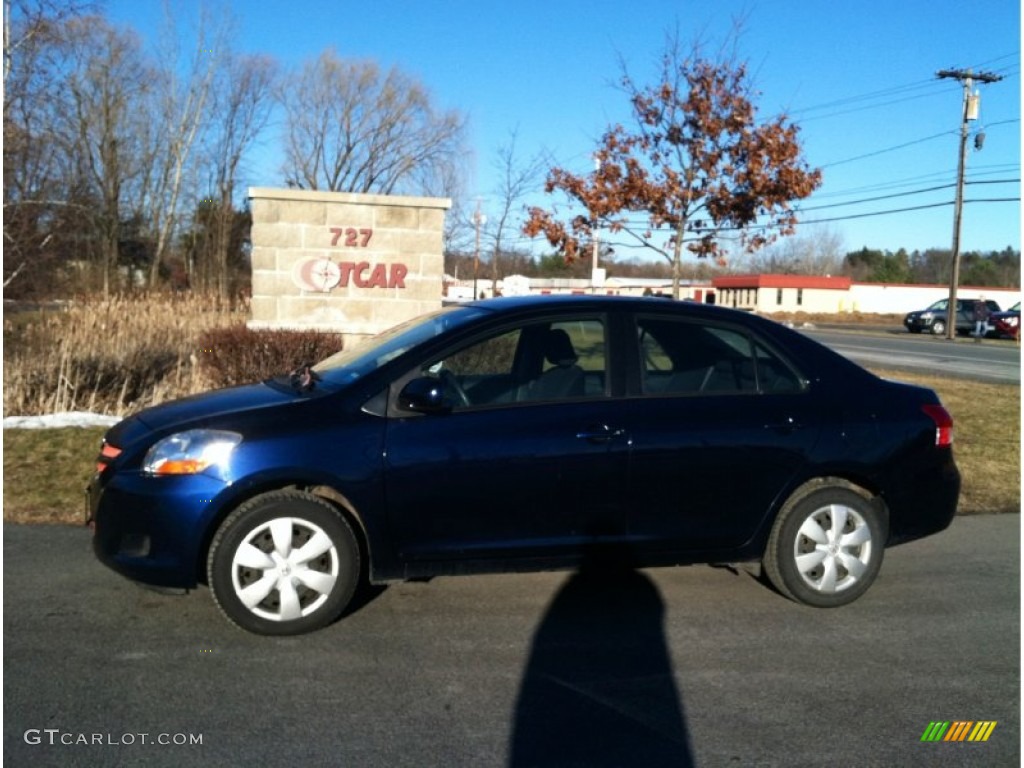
934 319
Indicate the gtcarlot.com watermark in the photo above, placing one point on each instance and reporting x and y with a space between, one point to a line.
57 737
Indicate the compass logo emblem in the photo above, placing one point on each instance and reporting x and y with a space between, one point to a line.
317 275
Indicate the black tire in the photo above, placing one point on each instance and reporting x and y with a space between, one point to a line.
257 554
938 327
804 560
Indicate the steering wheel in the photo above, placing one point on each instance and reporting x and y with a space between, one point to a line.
452 383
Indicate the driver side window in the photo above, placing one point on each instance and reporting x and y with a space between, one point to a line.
481 373
546 361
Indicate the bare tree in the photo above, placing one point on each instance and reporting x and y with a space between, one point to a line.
179 109
449 181
31 24
516 179
35 188
240 110
818 251
350 128
107 78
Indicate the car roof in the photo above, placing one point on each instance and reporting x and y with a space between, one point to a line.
600 302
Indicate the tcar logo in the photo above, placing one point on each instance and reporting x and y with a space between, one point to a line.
323 275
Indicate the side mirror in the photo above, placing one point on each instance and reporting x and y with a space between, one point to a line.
424 395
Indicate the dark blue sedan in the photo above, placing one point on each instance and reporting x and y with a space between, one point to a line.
528 434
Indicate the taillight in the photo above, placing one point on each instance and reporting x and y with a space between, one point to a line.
943 424
107 454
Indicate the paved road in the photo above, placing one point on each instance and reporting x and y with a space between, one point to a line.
992 360
689 666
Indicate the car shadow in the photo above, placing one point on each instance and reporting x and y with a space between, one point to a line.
599 689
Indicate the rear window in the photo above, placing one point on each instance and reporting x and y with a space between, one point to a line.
682 357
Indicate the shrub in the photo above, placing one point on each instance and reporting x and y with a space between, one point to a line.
239 355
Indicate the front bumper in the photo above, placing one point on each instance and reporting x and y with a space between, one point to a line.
152 529
917 324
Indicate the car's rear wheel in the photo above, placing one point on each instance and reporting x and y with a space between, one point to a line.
938 327
283 563
826 548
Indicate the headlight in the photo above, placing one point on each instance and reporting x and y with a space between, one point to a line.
927 316
191 452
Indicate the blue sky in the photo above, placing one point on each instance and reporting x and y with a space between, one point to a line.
858 77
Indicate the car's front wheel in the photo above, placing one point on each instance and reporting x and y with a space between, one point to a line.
826 548
283 563
939 327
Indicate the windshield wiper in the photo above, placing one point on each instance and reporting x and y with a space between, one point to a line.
304 378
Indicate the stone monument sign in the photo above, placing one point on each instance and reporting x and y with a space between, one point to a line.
349 263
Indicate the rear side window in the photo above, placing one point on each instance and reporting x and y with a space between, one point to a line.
680 357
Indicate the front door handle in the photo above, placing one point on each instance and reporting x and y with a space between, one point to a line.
600 434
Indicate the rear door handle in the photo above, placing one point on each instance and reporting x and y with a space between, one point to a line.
787 426
600 434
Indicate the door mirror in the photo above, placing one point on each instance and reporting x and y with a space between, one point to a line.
424 395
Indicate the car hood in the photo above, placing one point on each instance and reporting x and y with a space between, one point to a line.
213 405
197 410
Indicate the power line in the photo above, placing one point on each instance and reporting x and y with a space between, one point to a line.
889 149
980 170
885 92
906 210
928 85
909 144
870 106
851 216
903 194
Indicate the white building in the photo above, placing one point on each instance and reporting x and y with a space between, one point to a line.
756 293
833 295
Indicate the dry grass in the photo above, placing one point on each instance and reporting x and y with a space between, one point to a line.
840 318
110 356
46 471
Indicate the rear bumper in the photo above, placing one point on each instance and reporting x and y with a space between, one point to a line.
925 505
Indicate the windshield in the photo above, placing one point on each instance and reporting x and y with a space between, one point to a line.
370 354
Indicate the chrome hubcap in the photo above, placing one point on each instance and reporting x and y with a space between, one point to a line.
285 569
833 548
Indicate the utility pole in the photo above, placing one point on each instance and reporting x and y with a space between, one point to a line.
593 261
478 219
971 105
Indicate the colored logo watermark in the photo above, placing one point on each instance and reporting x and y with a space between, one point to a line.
958 730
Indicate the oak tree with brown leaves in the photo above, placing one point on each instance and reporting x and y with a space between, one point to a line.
697 166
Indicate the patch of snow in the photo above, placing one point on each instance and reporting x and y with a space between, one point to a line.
57 420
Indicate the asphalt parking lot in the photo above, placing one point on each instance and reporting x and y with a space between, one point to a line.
689 666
